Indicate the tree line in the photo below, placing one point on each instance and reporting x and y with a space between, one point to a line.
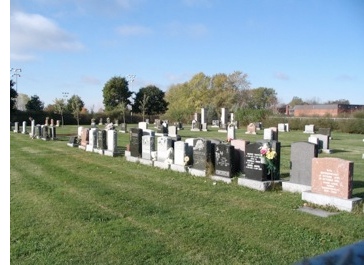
178 103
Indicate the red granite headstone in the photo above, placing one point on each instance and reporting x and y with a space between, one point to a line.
332 177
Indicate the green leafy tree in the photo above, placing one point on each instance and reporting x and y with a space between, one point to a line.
34 104
60 107
75 106
263 98
338 101
150 100
116 90
122 108
296 101
13 96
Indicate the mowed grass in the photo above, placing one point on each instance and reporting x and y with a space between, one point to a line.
69 206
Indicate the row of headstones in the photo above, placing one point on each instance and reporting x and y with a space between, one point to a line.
199 121
38 131
326 181
197 155
101 141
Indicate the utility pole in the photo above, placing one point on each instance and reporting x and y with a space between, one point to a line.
16 74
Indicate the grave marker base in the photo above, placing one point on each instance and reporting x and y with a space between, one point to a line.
294 187
324 200
223 179
259 185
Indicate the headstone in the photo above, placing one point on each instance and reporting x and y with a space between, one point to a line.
100 122
332 177
16 127
24 128
324 131
45 133
101 140
180 153
32 128
84 138
92 140
148 146
136 142
164 146
111 143
38 131
223 119
254 165
300 165
239 156
309 128
332 184
224 160
201 153
73 141
324 142
251 129
52 133
143 125
172 131
274 133
215 123
231 132
282 127
268 134
58 123
203 116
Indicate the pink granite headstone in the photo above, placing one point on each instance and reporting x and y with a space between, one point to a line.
332 177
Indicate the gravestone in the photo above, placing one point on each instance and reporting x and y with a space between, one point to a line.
231 132
84 138
172 131
136 142
268 134
309 128
215 123
181 158
44 133
281 127
32 129
201 154
164 145
148 146
101 140
73 141
24 128
16 127
300 166
324 142
332 184
254 167
111 143
251 129
38 131
143 125
324 131
92 140
224 121
224 160
239 156
52 133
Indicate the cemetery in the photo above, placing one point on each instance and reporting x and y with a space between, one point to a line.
316 173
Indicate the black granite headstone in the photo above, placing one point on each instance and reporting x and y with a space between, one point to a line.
224 160
254 168
276 146
201 153
136 142
101 139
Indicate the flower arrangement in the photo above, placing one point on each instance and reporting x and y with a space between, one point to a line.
186 160
269 156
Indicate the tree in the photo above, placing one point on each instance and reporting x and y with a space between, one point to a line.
75 105
338 101
21 101
34 104
116 90
150 100
13 96
122 107
296 101
263 98
59 107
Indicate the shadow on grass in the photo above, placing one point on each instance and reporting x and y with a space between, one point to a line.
358 184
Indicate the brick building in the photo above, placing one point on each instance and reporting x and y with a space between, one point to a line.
323 109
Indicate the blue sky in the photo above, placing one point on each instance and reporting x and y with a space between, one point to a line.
312 49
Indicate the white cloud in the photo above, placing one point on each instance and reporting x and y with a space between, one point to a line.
281 76
133 30
32 32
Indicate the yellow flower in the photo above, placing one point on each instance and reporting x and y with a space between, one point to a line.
271 154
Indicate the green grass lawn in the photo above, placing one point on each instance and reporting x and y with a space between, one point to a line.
69 206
